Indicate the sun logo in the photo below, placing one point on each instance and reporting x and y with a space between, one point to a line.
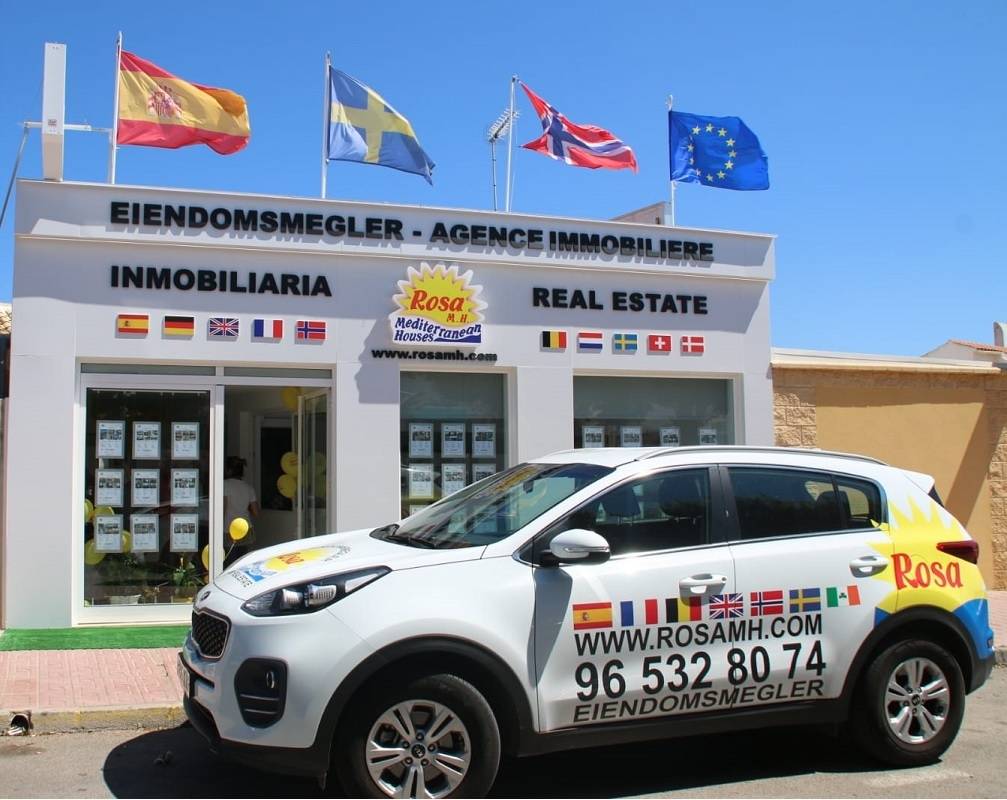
920 574
162 103
437 305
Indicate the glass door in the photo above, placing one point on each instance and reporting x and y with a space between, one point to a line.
312 445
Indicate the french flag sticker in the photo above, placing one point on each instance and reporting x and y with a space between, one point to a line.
267 330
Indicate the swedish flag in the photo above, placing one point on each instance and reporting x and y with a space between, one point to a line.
363 127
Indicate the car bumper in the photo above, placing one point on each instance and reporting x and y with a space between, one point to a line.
308 761
981 672
317 651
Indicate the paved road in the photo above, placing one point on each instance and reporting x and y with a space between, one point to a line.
786 762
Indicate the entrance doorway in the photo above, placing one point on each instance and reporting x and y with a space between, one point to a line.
275 465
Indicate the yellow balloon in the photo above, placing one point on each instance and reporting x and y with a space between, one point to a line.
238 529
288 462
205 556
287 485
91 556
103 511
88 510
289 397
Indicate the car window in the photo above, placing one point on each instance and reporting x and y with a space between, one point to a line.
661 511
860 502
783 502
498 506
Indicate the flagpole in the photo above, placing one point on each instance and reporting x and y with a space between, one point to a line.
671 101
510 143
326 106
114 135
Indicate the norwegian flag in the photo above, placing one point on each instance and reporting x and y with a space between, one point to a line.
658 343
693 345
727 606
578 145
309 330
768 603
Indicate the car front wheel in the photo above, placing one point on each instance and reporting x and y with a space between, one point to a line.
434 737
911 704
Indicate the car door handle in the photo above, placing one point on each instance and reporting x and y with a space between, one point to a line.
865 566
700 584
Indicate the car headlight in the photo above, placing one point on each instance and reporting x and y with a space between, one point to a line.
303 598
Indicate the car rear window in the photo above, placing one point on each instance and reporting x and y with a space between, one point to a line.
774 502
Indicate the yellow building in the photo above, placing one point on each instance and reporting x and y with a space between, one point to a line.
945 416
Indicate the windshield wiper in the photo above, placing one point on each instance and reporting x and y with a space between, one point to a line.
389 534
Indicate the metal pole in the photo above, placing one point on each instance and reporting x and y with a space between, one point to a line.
493 163
671 101
326 108
113 144
510 143
13 174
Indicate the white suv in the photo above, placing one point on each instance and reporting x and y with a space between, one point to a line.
593 597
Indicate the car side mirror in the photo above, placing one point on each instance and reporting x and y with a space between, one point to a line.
578 546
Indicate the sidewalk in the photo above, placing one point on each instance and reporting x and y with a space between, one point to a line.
93 689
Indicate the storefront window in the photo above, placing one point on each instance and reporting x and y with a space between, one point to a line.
146 489
453 433
651 412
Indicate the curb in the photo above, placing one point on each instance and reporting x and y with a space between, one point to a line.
115 718
1000 656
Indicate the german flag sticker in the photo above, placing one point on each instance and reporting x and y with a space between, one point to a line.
179 326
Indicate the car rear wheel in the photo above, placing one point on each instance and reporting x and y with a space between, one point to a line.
434 737
911 704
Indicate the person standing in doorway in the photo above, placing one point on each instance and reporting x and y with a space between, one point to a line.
239 501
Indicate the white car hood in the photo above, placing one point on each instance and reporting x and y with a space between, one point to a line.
307 559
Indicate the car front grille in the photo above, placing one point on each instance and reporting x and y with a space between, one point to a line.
209 633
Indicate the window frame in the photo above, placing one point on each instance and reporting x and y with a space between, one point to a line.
532 551
732 519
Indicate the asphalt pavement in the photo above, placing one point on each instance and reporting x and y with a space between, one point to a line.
785 762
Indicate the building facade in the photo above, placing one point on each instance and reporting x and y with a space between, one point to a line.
347 363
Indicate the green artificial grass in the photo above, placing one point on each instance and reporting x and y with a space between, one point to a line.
104 638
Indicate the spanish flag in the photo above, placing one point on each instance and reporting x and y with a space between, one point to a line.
132 324
592 615
157 109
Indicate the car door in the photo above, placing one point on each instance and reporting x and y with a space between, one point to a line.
810 556
635 636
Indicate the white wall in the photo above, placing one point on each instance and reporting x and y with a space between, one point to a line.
66 314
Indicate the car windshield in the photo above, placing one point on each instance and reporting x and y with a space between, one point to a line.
495 507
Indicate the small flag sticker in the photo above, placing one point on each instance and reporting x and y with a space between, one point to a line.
693 345
267 330
554 340
223 328
309 330
805 600
589 341
625 342
180 327
767 603
659 343
592 615
132 324
727 606
837 596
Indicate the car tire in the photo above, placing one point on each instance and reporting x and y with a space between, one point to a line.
910 704
461 761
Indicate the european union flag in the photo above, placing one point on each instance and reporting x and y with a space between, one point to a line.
716 151
363 127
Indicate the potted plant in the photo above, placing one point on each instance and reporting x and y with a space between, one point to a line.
124 578
187 579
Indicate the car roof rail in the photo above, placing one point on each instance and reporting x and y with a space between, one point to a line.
729 448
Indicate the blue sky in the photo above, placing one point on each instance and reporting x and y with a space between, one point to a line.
883 123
